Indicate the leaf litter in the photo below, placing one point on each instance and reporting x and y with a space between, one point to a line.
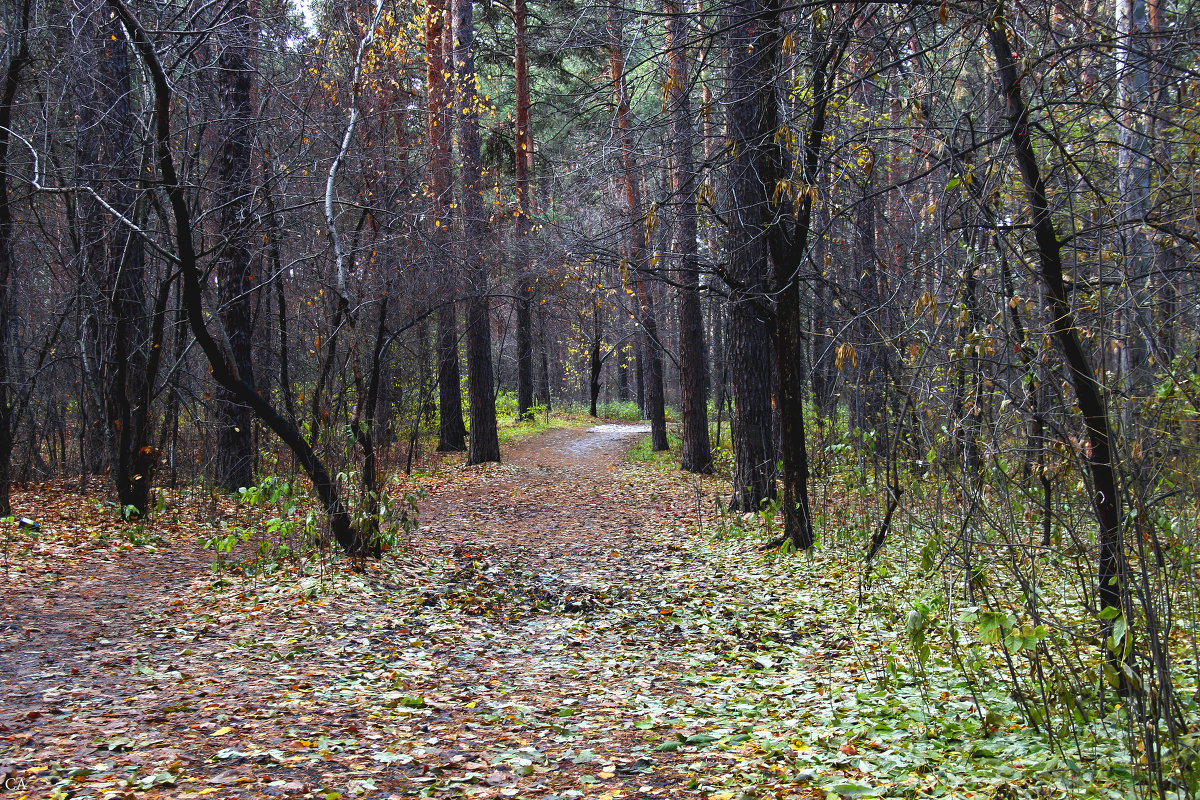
564 625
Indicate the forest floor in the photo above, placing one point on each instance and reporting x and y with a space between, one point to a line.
563 625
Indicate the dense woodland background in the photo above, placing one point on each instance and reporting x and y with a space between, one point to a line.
921 278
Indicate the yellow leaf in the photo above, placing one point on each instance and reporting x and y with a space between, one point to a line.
221 731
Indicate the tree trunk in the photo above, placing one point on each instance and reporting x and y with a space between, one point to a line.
695 451
1111 571
522 169
452 432
544 372
223 372
235 171
652 347
484 444
8 93
93 335
751 119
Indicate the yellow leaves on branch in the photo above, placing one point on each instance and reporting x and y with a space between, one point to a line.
844 354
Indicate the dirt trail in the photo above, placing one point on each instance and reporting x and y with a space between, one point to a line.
508 654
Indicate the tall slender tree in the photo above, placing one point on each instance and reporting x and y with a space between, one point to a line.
695 453
484 444
18 59
451 430
238 291
522 167
638 257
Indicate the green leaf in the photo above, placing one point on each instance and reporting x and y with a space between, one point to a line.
1108 612
1119 629
700 738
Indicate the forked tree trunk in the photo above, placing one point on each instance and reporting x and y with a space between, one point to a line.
790 249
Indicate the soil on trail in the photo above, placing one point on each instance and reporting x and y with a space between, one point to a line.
508 651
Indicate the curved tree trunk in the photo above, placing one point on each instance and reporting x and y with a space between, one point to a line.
190 277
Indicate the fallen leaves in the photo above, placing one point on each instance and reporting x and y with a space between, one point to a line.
552 632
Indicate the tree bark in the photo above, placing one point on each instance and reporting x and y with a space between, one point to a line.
651 346
522 169
752 123
223 372
695 451
452 432
235 172
1111 569
484 444
789 250
8 93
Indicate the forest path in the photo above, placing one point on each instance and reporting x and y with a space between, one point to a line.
525 645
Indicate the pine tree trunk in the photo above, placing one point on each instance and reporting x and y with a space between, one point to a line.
651 347
452 432
522 169
695 451
484 445
750 115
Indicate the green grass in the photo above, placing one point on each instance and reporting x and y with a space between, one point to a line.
642 453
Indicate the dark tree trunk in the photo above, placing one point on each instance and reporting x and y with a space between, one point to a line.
544 372
484 445
789 249
223 372
277 276
595 365
8 93
522 170
751 121
452 433
623 392
695 451
235 171
651 346
93 336
132 363
639 374
1111 571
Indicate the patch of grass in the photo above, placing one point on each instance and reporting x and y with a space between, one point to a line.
642 453
511 430
624 410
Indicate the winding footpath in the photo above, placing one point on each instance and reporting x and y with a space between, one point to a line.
523 645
